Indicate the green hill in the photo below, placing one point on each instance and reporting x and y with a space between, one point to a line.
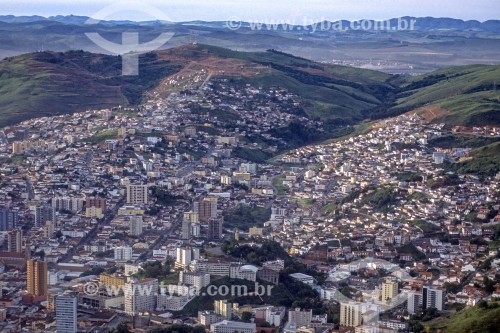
469 93
478 319
484 161
331 93
51 83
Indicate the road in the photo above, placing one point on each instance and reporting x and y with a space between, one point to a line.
88 158
110 215
3 138
165 233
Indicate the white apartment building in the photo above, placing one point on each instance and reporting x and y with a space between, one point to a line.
140 296
197 280
123 253
185 256
66 314
135 225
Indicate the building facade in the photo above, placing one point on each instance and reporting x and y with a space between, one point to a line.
66 314
137 194
140 296
36 277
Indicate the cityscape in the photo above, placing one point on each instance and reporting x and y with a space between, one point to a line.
236 197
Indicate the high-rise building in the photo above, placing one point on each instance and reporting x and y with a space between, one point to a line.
74 205
66 314
185 256
123 253
414 301
390 289
43 214
215 229
135 225
427 297
196 229
206 208
186 229
36 277
48 229
14 241
191 217
91 212
140 296
8 219
137 194
190 225
300 317
224 308
433 298
96 202
350 314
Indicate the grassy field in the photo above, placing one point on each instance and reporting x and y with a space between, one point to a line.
278 184
469 92
485 161
103 136
252 155
462 141
245 217
52 83
477 319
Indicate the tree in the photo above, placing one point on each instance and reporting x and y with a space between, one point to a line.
246 316
489 285
93 271
482 304
121 328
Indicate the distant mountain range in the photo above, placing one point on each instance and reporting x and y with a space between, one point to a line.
434 43
422 23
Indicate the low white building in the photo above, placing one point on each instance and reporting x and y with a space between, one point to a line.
304 278
227 326
197 280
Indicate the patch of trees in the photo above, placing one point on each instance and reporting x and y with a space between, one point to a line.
245 217
163 197
447 180
93 271
270 250
252 155
409 177
180 328
297 134
380 199
156 269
